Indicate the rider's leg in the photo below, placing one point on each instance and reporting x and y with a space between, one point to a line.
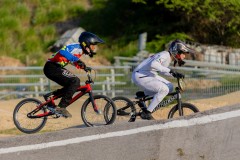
65 78
71 83
163 90
157 86
70 89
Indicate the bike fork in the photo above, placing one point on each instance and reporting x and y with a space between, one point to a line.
95 108
179 104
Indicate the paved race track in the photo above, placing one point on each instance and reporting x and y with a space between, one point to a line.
209 135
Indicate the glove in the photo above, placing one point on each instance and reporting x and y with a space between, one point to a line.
87 69
176 74
81 64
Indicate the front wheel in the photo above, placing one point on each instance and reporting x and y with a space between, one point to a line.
187 109
21 119
125 108
104 114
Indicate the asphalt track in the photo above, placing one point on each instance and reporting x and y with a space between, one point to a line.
209 135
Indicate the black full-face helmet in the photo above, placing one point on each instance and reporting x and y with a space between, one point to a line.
86 39
178 47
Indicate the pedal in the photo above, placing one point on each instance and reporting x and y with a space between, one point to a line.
51 109
56 114
133 117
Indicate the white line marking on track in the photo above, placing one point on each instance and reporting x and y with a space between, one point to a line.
171 124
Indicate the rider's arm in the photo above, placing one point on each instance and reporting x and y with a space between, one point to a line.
157 65
68 55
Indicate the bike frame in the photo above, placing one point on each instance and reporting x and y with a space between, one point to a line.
174 96
87 88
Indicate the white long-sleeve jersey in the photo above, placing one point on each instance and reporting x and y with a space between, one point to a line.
157 63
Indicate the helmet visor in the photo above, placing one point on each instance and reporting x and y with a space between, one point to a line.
183 48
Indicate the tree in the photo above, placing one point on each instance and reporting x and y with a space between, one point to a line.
208 21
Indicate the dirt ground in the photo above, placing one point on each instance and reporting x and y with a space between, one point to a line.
7 127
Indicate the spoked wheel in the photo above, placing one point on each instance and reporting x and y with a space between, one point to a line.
187 109
104 114
125 108
23 122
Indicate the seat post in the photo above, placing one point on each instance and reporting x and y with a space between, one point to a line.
142 105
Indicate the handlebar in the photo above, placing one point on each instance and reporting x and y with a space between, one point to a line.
89 70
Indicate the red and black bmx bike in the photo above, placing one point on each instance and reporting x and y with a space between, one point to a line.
30 115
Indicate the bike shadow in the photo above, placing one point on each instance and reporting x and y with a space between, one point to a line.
77 126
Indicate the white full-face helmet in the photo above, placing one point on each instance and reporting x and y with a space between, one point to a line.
178 47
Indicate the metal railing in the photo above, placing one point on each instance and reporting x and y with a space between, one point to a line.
203 80
17 82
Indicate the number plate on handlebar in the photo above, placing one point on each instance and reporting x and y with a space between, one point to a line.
181 84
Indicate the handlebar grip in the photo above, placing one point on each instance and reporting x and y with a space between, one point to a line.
87 69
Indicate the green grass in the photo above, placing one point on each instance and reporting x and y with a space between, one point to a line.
12 131
28 28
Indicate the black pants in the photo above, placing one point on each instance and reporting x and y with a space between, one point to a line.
63 77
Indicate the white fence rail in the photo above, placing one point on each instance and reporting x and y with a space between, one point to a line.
18 82
202 79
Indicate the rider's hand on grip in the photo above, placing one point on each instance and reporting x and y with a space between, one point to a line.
176 74
81 64
87 69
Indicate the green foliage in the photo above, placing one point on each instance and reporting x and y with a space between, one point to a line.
208 21
29 28
22 11
161 41
139 1
75 11
128 50
9 23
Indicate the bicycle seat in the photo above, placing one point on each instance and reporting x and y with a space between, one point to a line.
140 94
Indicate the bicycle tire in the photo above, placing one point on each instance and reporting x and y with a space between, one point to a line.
19 119
125 108
185 106
108 111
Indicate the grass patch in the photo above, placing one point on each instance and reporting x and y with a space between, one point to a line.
12 131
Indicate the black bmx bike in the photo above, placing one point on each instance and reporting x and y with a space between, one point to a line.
127 110
30 115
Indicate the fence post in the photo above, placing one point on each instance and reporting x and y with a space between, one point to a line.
103 89
108 83
113 82
36 91
41 84
142 41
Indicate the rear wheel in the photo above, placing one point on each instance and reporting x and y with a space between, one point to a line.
105 113
22 120
125 108
187 109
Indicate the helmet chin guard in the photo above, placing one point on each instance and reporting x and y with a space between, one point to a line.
180 62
